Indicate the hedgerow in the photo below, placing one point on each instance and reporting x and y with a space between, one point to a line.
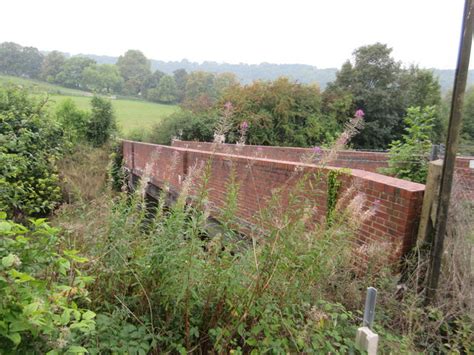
30 144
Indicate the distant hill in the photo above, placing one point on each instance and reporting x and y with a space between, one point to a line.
267 71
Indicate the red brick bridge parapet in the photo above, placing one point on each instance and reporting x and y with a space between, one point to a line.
399 201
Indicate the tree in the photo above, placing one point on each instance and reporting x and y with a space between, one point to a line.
224 81
20 61
181 78
102 78
167 91
372 80
135 70
72 73
420 88
200 91
11 58
31 62
383 90
152 81
52 65
101 123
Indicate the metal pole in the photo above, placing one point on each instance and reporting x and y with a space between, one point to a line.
452 141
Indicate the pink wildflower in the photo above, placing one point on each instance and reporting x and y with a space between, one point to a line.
228 106
359 113
244 125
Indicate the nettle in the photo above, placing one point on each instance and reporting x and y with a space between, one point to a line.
30 143
41 291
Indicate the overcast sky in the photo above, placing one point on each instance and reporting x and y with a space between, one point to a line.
318 32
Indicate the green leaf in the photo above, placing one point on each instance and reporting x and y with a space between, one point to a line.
20 276
5 227
77 350
8 260
66 316
15 338
88 315
31 308
72 254
19 326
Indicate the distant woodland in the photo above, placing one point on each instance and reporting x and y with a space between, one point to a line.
246 73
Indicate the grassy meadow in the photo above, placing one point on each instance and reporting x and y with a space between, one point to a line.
131 114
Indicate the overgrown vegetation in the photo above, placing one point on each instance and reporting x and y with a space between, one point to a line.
409 157
289 290
123 273
30 144
43 295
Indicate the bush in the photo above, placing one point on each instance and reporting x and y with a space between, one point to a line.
280 113
74 121
102 122
41 291
185 125
274 113
409 157
30 143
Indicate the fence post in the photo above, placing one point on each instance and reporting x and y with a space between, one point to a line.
430 200
434 154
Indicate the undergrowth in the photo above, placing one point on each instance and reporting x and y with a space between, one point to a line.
165 281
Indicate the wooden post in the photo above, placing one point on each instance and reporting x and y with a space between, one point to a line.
452 142
430 203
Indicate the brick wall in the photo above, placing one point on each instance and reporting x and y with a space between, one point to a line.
367 161
399 201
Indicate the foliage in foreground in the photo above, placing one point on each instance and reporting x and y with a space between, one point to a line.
30 144
42 292
181 284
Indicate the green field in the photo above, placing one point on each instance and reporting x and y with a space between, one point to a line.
131 114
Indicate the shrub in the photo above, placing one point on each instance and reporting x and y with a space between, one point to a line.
408 157
41 291
73 121
30 143
185 125
275 113
280 113
102 122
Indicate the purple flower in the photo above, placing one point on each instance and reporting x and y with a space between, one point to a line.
244 125
359 113
317 150
228 106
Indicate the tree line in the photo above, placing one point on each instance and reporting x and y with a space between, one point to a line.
284 112
280 112
131 75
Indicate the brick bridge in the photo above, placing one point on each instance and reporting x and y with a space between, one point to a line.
261 170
